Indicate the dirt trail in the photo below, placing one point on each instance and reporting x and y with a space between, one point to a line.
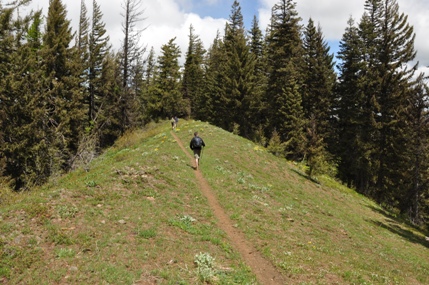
265 272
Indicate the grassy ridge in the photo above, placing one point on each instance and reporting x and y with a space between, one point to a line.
138 217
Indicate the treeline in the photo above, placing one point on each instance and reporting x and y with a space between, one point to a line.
65 96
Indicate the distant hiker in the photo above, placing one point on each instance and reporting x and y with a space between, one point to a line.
173 123
196 145
176 120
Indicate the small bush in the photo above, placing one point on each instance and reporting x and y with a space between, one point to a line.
205 266
65 211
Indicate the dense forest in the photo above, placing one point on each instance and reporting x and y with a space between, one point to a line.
66 95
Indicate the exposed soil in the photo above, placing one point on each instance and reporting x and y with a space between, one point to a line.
265 272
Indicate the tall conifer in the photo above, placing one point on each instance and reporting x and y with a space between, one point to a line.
395 48
193 74
63 96
285 64
256 107
351 110
166 99
238 73
414 190
317 94
210 105
98 50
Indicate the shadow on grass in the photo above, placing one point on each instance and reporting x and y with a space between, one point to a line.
305 176
393 226
191 166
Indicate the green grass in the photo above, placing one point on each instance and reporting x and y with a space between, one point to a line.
138 216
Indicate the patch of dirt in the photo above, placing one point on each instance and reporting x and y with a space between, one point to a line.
265 272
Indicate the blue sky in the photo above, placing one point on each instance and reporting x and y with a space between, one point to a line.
222 9
166 19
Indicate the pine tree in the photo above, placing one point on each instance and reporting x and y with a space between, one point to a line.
211 105
109 125
351 110
374 102
256 111
148 87
285 63
166 100
414 195
25 146
82 46
193 75
315 149
317 93
319 79
64 96
395 48
238 81
98 50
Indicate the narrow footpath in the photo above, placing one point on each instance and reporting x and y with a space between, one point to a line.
265 271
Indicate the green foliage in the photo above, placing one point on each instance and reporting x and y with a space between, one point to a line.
285 63
66 212
65 253
147 233
205 266
165 99
373 106
275 145
193 74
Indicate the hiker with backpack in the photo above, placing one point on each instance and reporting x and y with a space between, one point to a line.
173 123
196 145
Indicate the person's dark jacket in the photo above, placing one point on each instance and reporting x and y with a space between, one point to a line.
197 143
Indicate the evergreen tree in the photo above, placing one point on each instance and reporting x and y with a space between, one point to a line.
82 40
92 47
351 110
319 79
395 48
238 71
150 70
414 195
193 75
82 46
210 106
374 102
148 88
285 63
167 100
256 110
61 66
317 93
25 150
98 50
315 148
109 125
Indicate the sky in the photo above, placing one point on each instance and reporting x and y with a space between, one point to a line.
166 19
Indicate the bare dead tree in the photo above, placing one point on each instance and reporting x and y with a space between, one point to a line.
131 56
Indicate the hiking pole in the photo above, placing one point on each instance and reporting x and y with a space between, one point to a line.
201 155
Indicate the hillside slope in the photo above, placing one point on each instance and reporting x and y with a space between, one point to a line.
139 216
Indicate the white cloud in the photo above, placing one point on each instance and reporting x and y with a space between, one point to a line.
163 20
166 19
333 15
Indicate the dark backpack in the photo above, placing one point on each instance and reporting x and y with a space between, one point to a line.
198 142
